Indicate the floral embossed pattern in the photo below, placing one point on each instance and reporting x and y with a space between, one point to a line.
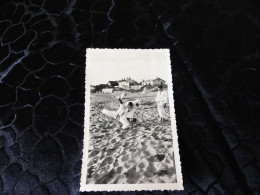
215 53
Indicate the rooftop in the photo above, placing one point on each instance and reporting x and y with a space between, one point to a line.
127 80
159 79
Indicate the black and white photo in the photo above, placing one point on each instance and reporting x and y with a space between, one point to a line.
130 136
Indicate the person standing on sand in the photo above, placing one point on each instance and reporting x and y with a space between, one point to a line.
144 90
161 100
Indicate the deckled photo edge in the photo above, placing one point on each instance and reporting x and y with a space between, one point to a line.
130 187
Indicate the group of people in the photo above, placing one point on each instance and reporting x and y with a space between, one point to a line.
125 112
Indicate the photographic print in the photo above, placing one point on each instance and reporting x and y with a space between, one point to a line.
130 136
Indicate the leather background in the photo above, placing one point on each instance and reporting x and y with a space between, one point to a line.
215 55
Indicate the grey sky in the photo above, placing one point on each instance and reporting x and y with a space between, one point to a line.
110 65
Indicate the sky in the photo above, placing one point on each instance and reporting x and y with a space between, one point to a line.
103 65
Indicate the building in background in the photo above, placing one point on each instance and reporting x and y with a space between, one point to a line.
112 83
108 90
154 82
127 83
99 88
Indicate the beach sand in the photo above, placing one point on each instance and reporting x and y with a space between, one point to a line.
142 154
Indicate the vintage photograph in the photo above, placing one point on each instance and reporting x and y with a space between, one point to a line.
130 136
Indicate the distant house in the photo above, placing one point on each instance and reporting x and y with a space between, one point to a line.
154 82
126 83
98 88
112 83
108 90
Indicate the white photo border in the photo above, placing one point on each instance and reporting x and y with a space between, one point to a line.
130 187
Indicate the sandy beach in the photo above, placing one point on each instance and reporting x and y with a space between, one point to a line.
142 154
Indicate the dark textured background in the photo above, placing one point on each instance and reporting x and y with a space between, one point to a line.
215 54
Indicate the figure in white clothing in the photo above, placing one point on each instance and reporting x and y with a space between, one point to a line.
144 90
161 100
121 96
125 112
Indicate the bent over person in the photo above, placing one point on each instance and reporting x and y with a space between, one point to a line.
125 112
161 100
